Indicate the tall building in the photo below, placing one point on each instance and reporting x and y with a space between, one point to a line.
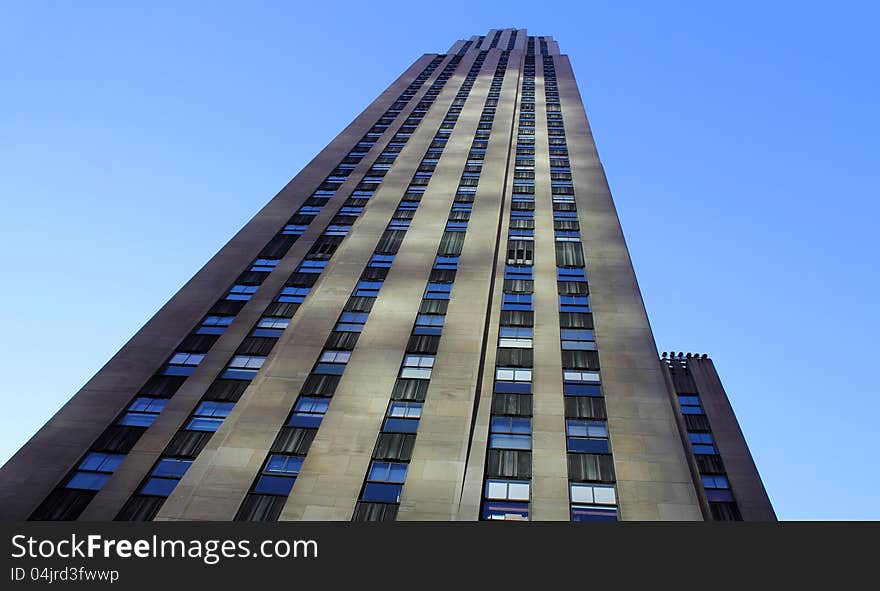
437 319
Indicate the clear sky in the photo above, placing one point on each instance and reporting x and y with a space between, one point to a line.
740 141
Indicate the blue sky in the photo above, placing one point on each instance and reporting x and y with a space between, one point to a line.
740 142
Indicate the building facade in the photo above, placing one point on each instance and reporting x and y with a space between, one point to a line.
437 319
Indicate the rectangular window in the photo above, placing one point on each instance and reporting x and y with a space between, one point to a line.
279 474
510 433
438 291
295 295
384 482
690 405
587 436
244 367
143 411
417 366
165 476
94 470
242 292
308 412
209 416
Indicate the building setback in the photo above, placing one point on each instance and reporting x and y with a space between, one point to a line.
436 319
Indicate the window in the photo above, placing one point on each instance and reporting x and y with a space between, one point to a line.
296 295
510 433
382 260
517 301
593 502
294 229
438 291
405 410
209 415
570 274
507 490
311 266
443 262
351 322
429 324
94 471
183 364
264 265
270 326
714 481
587 436
599 494
308 412
513 374
186 358
578 339
215 324
368 289
279 474
143 411
515 337
580 376
417 366
518 272
244 367
568 303
690 405
242 292
165 476
384 482
335 356
702 443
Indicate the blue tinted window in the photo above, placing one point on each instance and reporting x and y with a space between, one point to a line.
710 481
211 330
274 485
382 493
394 472
102 462
145 404
704 449
401 425
281 464
204 424
336 369
356 317
516 332
513 387
311 421
518 425
504 510
179 370
582 389
701 438
590 513
577 334
719 495
506 441
88 480
312 404
137 419
518 272
215 409
172 467
160 487
593 446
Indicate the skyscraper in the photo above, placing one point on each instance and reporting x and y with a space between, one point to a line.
437 319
